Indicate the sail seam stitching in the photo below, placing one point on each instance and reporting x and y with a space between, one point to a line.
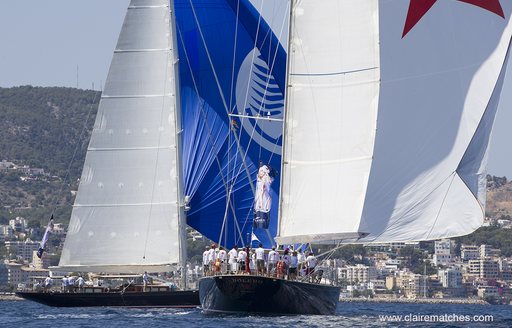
148 7
442 205
335 73
142 50
399 219
136 96
120 205
131 148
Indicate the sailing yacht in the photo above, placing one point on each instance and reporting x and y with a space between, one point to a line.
128 213
388 117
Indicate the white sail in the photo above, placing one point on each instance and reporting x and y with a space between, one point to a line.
330 118
389 116
125 216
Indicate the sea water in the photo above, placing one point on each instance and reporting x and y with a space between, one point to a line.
28 314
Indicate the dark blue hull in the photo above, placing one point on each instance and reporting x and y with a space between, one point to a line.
188 298
262 295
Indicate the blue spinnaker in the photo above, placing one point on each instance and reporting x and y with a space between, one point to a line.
232 77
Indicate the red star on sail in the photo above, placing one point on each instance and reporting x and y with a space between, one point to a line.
418 8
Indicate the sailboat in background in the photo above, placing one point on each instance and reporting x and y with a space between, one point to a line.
128 214
389 111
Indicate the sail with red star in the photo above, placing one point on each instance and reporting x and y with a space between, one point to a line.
390 106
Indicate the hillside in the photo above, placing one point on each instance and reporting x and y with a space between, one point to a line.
42 128
499 197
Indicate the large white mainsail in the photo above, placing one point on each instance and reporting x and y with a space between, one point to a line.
126 213
389 112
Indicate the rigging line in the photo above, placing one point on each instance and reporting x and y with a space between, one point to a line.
84 128
225 107
441 206
274 149
237 226
203 115
253 54
160 132
219 87
271 69
201 107
224 221
398 220
234 57
329 253
233 181
245 223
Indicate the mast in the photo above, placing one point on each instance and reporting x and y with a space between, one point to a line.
182 218
286 99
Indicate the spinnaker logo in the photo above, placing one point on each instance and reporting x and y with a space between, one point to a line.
260 102
418 9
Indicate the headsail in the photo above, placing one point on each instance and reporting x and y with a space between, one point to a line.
125 217
387 127
232 68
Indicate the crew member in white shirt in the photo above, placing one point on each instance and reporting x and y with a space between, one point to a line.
80 282
292 271
211 259
232 259
311 264
206 261
242 257
260 260
273 257
301 259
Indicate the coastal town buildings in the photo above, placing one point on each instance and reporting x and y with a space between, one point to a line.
469 252
486 251
484 268
18 224
413 285
22 249
20 274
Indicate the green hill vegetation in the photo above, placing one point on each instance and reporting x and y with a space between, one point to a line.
43 128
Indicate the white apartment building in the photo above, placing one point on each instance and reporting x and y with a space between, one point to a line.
450 278
358 273
443 252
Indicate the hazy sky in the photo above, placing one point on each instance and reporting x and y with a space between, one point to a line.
43 42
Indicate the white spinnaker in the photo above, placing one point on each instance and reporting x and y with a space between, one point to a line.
125 217
436 90
330 118
440 88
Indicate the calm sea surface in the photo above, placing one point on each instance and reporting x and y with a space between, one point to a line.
28 314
